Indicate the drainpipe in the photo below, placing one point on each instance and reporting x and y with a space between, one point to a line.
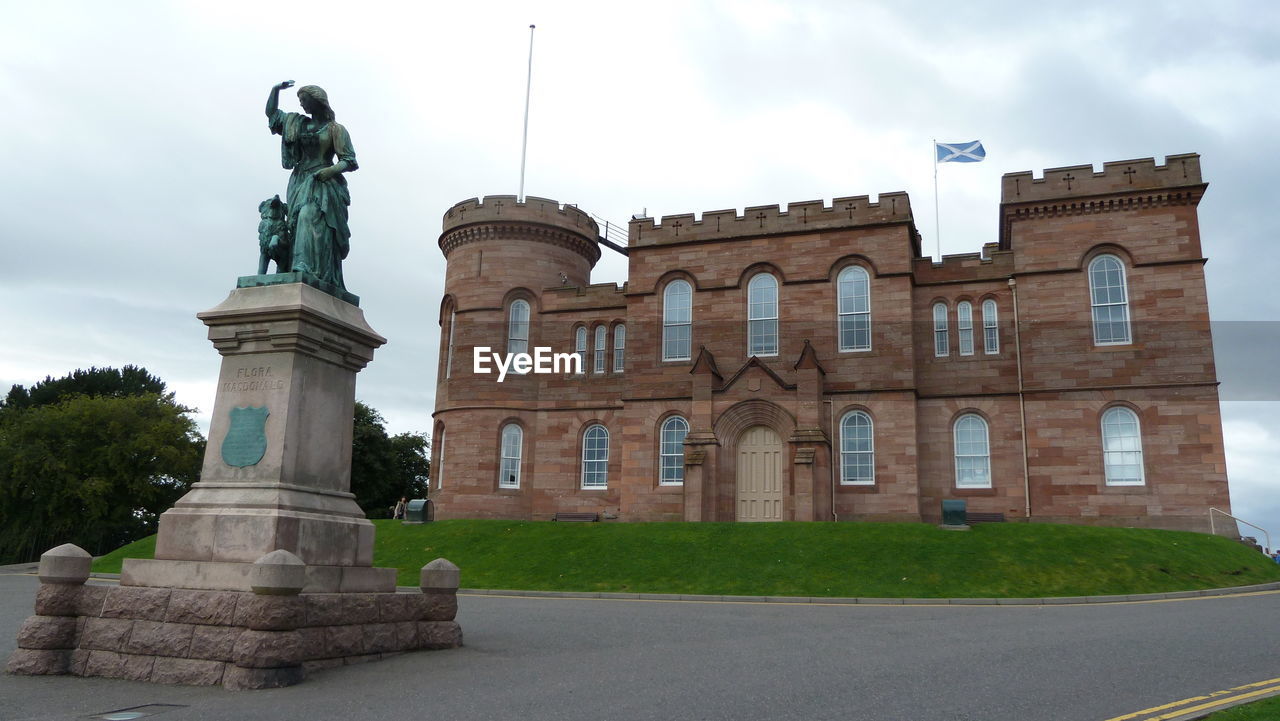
1022 400
831 443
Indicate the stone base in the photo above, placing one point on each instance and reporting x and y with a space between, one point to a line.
236 639
255 281
223 576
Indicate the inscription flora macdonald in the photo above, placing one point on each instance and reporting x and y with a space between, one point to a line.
258 378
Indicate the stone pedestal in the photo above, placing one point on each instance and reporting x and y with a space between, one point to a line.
267 638
277 470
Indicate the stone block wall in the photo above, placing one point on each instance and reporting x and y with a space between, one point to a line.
237 639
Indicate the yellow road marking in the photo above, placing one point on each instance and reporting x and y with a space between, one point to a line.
1272 686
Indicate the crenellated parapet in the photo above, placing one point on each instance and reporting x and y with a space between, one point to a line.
505 217
1123 185
801 217
1120 176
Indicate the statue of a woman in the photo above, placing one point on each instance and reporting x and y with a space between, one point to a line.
318 195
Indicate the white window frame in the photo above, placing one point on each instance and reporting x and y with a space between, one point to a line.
968 447
990 327
591 454
857 312
448 358
440 461
677 314
762 316
518 327
580 347
507 461
1114 450
941 332
849 448
619 347
1109 305
601 347
671 473
964 327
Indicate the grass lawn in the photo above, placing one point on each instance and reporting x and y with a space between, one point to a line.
1265 710
881 560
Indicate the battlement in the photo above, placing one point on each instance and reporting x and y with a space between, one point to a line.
507 208
1120 176
800 217
579 298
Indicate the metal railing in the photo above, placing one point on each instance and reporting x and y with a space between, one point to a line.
1213 529
611 231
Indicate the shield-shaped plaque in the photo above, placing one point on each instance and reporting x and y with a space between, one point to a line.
246 440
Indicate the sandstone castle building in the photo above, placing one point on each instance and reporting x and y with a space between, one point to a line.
813 364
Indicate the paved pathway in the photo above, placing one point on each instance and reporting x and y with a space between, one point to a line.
549 658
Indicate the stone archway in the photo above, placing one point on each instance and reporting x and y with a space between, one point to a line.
737 424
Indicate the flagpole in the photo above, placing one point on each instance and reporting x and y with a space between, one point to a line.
937 224
524 143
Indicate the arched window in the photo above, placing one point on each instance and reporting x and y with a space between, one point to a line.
602 335
854 311
518 328
619 347
990 330
580 347
595 457
857 450
762 315
1122 447
1110 299
509 468
973 452
941 341
964 326
671 452
677 321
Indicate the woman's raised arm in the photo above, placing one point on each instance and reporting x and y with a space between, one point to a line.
273 100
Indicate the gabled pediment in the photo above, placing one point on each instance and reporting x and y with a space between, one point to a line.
755 365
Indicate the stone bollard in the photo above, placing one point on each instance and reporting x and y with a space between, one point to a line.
268 654
47 640
436 627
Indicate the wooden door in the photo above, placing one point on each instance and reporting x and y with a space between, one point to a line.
759 475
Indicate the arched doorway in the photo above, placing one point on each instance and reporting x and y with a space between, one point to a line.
759 469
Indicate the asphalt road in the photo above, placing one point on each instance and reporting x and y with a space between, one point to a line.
544 658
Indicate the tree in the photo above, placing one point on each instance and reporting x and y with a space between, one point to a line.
95 383
384 468
92 459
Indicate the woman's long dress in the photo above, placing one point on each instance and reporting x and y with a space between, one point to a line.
317 209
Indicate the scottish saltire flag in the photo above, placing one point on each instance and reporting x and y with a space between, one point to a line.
970 152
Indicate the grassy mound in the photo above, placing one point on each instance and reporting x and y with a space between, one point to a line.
882 560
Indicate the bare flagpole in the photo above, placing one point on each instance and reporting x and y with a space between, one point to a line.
524 143
937 224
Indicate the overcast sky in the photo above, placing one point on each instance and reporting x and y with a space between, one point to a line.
135 150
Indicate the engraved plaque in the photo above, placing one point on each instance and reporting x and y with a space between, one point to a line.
246 439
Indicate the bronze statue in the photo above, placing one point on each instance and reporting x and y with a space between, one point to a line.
318 195
273 235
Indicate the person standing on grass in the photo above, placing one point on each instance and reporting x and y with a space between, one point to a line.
401 505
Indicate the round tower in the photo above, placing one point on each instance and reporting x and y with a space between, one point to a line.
499 252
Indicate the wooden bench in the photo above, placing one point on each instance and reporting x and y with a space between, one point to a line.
972 517
576 517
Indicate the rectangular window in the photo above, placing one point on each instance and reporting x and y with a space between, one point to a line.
964 327
990 331
619 347
941 340
448 360
600 348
